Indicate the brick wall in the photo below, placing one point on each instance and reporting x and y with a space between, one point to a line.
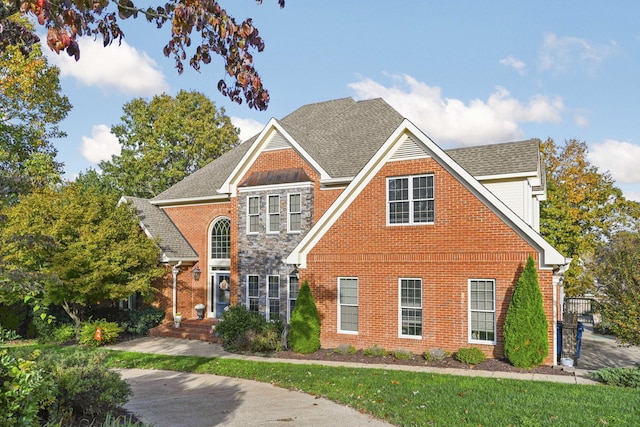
467 241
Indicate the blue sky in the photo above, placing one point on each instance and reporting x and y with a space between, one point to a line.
465 72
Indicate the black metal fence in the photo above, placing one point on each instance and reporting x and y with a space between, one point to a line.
584 307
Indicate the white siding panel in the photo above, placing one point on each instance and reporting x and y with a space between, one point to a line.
513 194
277 142
409 149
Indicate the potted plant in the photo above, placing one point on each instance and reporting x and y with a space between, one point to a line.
200 311
177 318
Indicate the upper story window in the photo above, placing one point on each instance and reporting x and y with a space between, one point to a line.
253 214
294 222
221 239
273 214
410 200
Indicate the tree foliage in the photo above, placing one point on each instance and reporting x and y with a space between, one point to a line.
304 335
526 337
80 246
583 208
618 272
31 106
166 139
219 34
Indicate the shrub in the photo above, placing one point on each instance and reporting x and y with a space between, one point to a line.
269 339
345 349
375 351
8 335
401 354
140 321
64 333
470 355
304 335
85 387
621 377
435 354
526 339
109 333
235 323
24 389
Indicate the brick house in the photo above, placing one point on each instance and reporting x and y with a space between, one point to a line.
403 244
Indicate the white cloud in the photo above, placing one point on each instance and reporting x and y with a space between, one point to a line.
454 121
562 54
101 146
581 121
516 64
248 127
121 68
619 158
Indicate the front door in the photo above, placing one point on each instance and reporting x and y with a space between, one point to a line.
219 292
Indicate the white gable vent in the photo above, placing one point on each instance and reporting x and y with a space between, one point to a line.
410 148
277 142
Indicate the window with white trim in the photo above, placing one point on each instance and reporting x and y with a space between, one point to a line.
273 297
348 305
293 295
221 239
294 222
410 307
410 200
273 214
253 293
253 214
482 310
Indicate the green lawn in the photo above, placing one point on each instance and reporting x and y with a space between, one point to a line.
417 399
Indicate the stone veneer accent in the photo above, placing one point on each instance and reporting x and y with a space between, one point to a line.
264 254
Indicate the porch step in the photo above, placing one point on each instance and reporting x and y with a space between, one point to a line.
191 329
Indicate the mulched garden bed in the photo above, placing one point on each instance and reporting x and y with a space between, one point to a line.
492 365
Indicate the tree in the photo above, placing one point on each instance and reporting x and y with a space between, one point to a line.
219 34
526 337
31 106
165 140
618 273
583 208
304 334
83 247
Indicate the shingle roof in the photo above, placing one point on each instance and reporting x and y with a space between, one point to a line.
499 159
156 222
341 136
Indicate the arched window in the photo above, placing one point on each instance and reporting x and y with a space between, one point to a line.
221 239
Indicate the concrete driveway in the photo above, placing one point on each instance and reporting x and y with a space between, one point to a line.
602 351
177 399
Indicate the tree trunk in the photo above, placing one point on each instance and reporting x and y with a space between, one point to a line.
73 313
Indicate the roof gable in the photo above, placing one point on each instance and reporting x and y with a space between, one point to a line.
408 132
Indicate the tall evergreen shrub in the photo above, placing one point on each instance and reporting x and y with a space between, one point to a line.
304 335
526 337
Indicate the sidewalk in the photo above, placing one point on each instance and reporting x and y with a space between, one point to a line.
181 347
178 399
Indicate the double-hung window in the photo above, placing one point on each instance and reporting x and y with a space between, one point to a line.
273 213
253 214
348 304
411 308
410 200
253 293
295 213
482 310
273 297
293 294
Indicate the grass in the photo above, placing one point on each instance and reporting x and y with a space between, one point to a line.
416 399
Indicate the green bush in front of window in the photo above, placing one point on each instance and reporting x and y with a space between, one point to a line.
375 351
526 337
470 355
238 327
304 335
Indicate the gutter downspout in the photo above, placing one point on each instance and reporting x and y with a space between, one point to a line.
175 270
